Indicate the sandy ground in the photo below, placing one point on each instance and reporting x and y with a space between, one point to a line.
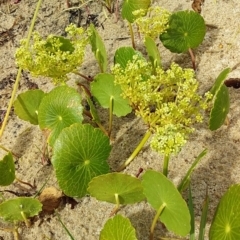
217 171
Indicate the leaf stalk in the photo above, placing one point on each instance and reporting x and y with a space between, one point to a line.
132 35
15 87
110 115
154 222
136 151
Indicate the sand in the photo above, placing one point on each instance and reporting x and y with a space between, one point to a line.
217 171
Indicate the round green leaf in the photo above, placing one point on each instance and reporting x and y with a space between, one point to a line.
226 221
66 45
105 187
129 6
16 209
159 190
26 105
186 30
123 55
118 228
59 109
105 91
80 153
7 170
220 108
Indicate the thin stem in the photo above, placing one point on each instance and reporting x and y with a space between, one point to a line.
110 116
30 185
87 113
94 116
15 87
204 217
64 227
40 190
16 234
11 102
165 164
102 128
132 35
7 150
136 151
116 208
192 58
154 222
85 89
25 219
89 79
12 230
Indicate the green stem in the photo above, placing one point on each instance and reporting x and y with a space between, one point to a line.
116 208
102 128
132 35
40 190
159 211
15 87
64 227
110 116
7 150
25 219
204 217
136 151
165 164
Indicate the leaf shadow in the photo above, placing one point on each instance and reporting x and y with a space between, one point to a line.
127 134
142 219
23 142
214 175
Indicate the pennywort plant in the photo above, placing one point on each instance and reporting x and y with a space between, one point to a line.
18 209
167 101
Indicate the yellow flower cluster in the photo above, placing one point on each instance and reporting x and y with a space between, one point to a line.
152 23
54 56
167 101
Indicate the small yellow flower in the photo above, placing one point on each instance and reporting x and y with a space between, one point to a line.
167 101
55 56
152 23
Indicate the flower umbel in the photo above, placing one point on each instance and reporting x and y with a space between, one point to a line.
154 22
54 56
167 101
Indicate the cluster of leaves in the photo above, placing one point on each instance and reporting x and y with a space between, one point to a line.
167 100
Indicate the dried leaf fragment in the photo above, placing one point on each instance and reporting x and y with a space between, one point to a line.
50 198
197 5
